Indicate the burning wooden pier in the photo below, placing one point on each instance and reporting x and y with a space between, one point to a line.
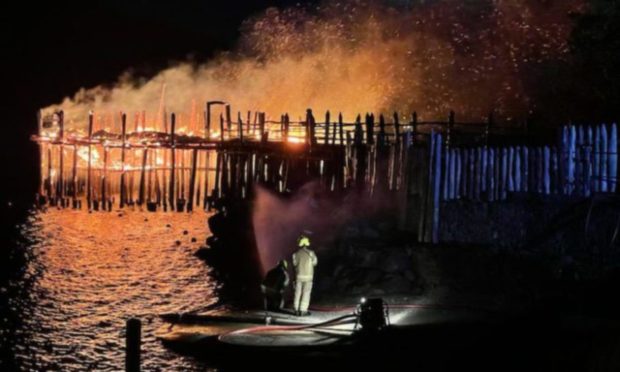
208 160
164 165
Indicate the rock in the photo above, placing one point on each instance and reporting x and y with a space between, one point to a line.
178 242
185 232
194 240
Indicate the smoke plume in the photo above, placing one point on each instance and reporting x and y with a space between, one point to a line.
361 56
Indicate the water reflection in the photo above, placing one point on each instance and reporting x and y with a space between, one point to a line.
85 274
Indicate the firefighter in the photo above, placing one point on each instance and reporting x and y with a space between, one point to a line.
304 261
274 285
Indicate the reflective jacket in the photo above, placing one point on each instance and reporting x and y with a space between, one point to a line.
304 261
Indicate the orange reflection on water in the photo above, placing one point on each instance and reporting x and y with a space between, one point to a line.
95 270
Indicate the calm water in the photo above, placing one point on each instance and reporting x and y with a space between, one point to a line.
85 274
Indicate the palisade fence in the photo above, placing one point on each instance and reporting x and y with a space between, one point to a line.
583 162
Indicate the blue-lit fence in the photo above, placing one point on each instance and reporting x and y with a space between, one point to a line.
583 162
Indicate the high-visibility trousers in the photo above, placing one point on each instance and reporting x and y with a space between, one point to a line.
302 295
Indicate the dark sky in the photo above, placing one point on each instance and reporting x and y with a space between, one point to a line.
51 49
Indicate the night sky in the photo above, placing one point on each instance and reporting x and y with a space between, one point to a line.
51 49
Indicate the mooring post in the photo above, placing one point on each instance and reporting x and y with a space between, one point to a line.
132 345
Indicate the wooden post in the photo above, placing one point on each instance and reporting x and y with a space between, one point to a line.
123 194
396 153
208 121
511 183
88 174
370 132
228 120
327 118
492 181
604 159
142 176
546 168
104 176
132 345
192 181
286 127
261 124
60 185
453 175
240 122
341 128
612 167
396 128
48 184
436 189
74 177
449 130
360 155
172 180
310 128
358 137
596 168
517 169
334 133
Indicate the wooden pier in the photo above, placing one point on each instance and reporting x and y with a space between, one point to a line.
211 159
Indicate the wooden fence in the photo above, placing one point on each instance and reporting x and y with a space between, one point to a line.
583 162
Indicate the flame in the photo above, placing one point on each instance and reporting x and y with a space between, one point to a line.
296 140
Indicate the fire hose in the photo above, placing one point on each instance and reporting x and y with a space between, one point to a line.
267 328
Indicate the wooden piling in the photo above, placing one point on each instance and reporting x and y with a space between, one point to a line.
172 178
228 121
261 123
240 125
88 174
340 128
192 181
60 185
123 192
327 124
132 345
104 176
286 127
141 199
